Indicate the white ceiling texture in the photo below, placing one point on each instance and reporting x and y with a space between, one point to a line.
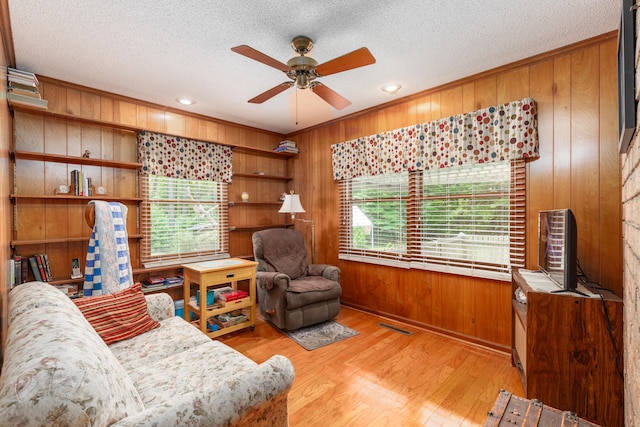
160 50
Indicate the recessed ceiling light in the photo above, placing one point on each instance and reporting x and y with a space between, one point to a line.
185 101
393 88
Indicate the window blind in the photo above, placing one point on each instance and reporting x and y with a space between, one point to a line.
470 219
373 219
465 220
182 220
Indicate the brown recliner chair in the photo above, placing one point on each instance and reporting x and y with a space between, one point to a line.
291 293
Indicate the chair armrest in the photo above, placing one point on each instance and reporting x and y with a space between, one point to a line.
330 272
224 400
160 306
268 279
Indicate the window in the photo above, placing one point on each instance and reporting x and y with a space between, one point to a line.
182 220
373 212
464 220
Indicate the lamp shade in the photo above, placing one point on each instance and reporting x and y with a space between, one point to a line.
291 204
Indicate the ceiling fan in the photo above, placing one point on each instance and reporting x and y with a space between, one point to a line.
303 70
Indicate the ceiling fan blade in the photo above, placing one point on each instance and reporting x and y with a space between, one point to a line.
270 93
250 52
349 61
333 98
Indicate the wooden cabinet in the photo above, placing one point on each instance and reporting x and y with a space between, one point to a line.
568 349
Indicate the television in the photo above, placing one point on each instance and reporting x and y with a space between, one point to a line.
557 248
626 76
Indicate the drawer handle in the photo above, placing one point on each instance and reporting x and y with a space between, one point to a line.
230 275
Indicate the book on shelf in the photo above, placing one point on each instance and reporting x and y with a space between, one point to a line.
47 267
287 150
27 76
24 276
287 143
153 280
24 92
41 268
16 98
233 295
34 269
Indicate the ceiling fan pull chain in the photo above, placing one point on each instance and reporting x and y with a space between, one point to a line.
296 105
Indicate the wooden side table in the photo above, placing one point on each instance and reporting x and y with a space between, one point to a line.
215 273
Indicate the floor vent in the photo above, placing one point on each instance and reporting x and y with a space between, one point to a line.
395 328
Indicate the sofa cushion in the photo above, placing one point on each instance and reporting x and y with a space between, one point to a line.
301 299
57 370
159 382
118 316
173 336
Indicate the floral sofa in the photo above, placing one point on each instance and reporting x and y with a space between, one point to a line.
58 370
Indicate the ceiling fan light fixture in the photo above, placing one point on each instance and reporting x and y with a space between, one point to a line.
185 101
392 88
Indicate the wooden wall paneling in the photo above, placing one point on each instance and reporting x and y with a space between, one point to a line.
435 106
176 124
452 302
90 104
74 141
54 210
468 97
55 136
437 304
512 85
31 220
585 155
74 102
450 102
540 176
29 132
562 132
610 246
142 117
106 109
424 297
55 95
155 120
126 113
485 92
471 303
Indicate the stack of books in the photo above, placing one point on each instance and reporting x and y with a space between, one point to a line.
287 147
153 283
81 183
22 88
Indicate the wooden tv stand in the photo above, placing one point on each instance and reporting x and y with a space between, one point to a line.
563 348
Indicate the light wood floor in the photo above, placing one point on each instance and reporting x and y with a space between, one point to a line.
385 378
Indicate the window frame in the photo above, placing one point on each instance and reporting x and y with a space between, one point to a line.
413 258
220 200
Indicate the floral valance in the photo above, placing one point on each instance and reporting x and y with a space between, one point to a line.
502 132
177 157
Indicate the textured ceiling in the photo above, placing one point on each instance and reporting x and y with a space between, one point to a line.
159 50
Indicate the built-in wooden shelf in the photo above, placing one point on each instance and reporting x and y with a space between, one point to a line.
156 269
241 203
15 243
258 227
124 127
262 176
61 158
66 281
71 197
264 152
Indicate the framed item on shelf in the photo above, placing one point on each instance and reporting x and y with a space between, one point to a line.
75 269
